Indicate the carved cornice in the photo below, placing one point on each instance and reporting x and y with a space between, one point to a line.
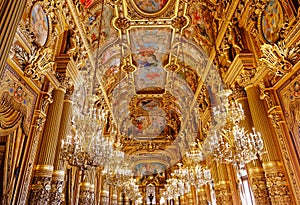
242 61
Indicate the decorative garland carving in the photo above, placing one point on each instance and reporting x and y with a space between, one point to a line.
56 192
37 63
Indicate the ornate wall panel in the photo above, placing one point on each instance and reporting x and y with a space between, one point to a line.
289 95
19 94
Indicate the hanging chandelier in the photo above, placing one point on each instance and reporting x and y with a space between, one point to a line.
184 177
232 143
88 148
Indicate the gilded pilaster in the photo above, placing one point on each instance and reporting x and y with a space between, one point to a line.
120 198
127 200
41 185
182 200
277 185
48 148
176 201
114 198
10 16
223 193
202 197
92 193
104 194
57 186
254 169
222 186
64 130
258 185
261 122
84 194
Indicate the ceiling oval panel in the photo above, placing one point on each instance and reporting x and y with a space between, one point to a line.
150 7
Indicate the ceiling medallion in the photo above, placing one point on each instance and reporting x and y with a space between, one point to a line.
154 117
151 8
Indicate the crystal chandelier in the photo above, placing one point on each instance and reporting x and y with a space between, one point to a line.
118 175
184 177
88 148
231 143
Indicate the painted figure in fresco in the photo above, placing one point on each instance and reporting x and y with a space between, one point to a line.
271 21
151 6
39 24
295 109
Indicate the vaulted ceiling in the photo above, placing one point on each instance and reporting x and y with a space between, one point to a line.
152 66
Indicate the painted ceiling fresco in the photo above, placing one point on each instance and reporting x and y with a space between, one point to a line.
151 70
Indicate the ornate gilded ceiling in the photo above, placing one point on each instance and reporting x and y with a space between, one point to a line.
151 71
151 60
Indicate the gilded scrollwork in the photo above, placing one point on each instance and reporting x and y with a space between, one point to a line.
40 190
277 187
279 58
37 63
56 192
223 194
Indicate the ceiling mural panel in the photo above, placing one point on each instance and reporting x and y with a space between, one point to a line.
161 9
151 74
272 20
98 29
150 48
200 30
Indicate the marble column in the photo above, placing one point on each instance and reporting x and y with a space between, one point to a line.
41 187
255 170
59 166
10 15
276 182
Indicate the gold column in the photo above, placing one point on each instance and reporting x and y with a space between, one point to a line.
182 200
120 198
127 200
176 201
114 198
255 170
92 194
10 16
42 182
222 186
84 193
104 194
275 177
59 167
202 196
188 198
